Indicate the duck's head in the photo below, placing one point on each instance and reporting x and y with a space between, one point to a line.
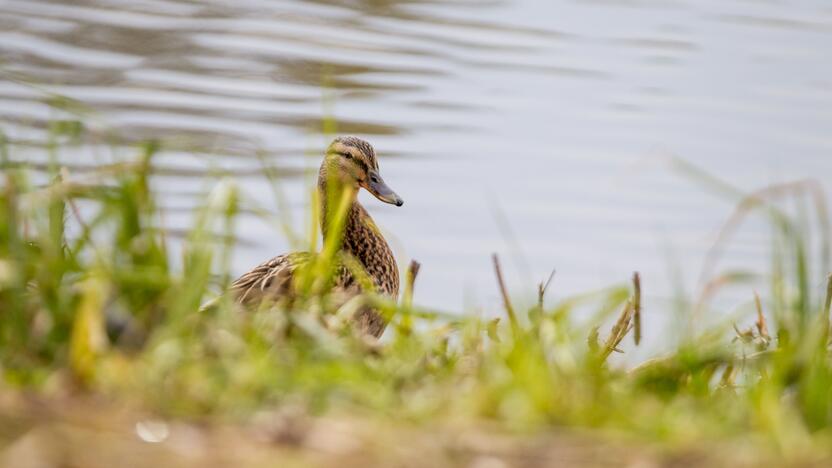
352 162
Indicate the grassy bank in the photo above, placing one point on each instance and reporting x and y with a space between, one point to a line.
101 331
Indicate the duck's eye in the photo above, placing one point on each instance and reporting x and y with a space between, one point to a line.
347 155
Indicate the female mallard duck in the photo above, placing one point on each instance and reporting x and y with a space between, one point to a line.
349 164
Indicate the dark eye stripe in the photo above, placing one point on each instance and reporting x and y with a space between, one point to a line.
358 162
362 165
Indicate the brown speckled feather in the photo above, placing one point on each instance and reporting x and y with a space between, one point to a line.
270 279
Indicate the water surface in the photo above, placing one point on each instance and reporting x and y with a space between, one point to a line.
540 130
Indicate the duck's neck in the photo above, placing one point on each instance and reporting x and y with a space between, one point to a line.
362 238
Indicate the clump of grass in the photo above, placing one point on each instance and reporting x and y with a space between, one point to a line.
104 310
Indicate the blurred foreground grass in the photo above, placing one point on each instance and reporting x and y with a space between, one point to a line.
107 359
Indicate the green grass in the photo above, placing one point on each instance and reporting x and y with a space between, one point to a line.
767 389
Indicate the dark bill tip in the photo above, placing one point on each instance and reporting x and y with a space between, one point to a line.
377 187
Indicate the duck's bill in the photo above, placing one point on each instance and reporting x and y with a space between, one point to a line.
380 190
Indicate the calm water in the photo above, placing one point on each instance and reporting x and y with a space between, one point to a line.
541 130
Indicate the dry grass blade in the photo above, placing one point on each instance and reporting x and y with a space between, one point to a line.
406 326
762 328
727 380
744 336
619 331
410 280
541 290
637 308
504 291
752 201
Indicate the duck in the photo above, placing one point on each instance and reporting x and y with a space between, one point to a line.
349 164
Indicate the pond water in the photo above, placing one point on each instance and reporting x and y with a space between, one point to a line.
542 130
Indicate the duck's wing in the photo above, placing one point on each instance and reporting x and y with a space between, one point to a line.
272 278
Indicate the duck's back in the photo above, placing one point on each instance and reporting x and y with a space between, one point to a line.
271 279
